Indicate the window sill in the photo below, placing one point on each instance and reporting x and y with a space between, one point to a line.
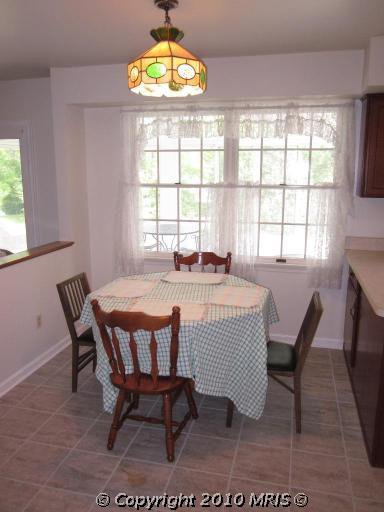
29 254
263 264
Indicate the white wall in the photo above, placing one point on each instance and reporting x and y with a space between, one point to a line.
28 289
30 101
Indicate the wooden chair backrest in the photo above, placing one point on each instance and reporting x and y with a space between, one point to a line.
202 258
131 322
308 330
72 293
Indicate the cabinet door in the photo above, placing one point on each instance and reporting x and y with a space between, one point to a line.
351 319
367 375
373 146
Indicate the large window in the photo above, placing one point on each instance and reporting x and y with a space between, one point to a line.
13 237
179 177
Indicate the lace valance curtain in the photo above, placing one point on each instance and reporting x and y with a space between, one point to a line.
233 203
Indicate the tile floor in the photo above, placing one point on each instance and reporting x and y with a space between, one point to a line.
53 452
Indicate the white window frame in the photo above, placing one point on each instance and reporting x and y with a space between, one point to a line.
22 131
231 151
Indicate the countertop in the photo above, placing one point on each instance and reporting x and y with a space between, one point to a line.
368 267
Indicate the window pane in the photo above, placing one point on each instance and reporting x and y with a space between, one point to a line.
273 167
189 236
148 203
148 167
167 203
205 198
322 167
167 236
151 144
168 142
249 166
295 208
169 167
150 236
213 166
273 142
298 141
297 167
189 203
249 143
318 142
270 240
13 235
271 205
190 143
293 241
190 167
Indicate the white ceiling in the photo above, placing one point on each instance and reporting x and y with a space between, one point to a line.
38 34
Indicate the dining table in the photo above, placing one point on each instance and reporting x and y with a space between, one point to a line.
223 335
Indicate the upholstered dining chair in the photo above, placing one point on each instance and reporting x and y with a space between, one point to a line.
202 258
72 293
285 360
137 383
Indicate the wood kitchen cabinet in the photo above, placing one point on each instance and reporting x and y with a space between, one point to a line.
371 162
364 355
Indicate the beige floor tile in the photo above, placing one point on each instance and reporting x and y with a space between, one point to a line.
367 482
349 417
262 463
320 411
95 440
62 430
15 495
150 445
354 444
251 489
34 463
83 472
188 481
279 405
8 446
54 500
340 372
337 357
17 394
47 399
211 422
317 371
139 478
267 431
316 437
319 355
321 389
320 502
344 391
21 423
215 402
207 454
320 473
91 385
4 409
145 407
82 404
368 506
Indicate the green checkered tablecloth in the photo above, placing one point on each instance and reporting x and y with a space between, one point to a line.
225 354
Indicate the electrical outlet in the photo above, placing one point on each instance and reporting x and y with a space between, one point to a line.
39 321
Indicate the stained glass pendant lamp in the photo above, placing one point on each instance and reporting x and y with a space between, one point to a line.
167 69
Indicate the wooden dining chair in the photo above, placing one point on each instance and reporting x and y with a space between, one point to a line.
202 258
72 293
286 360
137 383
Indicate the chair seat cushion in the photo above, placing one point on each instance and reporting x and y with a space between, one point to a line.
86 337
281 357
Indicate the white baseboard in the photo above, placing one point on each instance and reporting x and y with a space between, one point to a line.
34 365
333 343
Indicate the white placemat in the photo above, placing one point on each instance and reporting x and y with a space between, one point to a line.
241 297
188 311
194 277
127 288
